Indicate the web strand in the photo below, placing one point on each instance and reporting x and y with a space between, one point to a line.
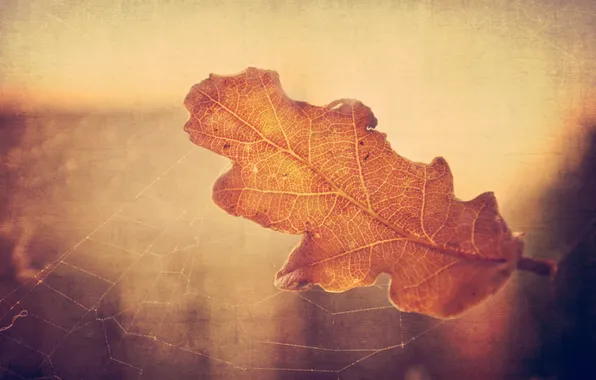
127 323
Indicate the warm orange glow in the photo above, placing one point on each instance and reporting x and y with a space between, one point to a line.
98 174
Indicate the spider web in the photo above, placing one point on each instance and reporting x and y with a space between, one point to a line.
161 289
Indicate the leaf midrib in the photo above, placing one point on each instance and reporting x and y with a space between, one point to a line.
368 210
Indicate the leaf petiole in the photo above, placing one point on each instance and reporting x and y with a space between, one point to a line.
541 267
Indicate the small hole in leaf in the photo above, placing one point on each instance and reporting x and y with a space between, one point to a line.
361 143
226 145
367 156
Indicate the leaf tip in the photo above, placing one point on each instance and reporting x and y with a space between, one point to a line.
519 235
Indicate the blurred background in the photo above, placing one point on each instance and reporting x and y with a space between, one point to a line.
115 264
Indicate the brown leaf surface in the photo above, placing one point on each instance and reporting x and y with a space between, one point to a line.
363 210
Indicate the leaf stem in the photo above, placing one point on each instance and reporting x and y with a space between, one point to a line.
541 267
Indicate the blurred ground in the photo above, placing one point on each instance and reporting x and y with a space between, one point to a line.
142 274
145 278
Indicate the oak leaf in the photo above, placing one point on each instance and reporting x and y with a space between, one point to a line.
363 210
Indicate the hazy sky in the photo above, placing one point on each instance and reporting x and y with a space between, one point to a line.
461 79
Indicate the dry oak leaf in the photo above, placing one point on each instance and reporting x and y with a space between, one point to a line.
363 210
